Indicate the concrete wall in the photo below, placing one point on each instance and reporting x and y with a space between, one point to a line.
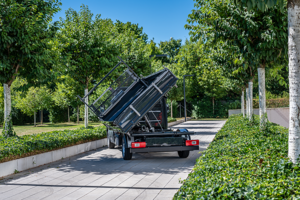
22 164
276 115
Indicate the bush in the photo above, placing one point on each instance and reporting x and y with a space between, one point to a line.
204 108
244 163
273 103
58 115
16 147
73 117
170 119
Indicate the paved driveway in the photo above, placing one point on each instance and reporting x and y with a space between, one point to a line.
103 174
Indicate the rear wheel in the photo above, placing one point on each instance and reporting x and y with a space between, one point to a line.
125 150
183 154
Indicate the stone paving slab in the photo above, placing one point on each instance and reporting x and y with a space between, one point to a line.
103 174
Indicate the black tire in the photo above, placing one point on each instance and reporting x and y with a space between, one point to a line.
125 150
183 154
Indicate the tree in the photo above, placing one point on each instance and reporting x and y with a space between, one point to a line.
195 58
213 83
138 31
176 93
35 99
258 35
25 33
88 50
293 8
63 96
171 48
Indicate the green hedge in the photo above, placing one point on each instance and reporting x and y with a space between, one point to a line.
15 147
244 163
170 119
273 103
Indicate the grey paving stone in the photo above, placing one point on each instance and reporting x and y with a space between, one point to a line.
47 192
103 174
165 194
113 194
130 194
78 193
61 193
148 195
95 194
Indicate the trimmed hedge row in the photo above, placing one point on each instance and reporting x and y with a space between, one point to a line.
273 103
16 147
244 163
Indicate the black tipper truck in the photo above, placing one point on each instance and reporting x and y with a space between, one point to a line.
134 110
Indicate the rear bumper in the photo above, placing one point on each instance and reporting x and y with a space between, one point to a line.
163 149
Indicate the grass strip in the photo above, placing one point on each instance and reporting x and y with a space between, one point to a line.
244 162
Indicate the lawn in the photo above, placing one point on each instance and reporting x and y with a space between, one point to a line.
47 127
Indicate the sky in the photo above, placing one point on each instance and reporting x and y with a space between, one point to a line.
160 19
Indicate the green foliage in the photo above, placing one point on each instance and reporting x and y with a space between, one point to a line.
9 130
174 107
203 108
86 46
261 4
124 27
36 98
32 144
171 48
273 103
244 162
63 95
25 32
58 115
73 117
239 41
269 95
170 119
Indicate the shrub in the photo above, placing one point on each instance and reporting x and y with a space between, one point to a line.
58 115
273 103
244 163
204 108
170 119
73 117
15 147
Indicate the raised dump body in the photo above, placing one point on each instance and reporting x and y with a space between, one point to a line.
158 85
136 110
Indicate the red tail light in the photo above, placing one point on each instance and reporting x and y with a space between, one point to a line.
192 142
138 144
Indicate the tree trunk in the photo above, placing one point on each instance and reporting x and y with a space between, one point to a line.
77 114
171 108
42 117
294 78
68 114
262 97
86 111
242 104
7 103
34 122
213 103
250 100
247 102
